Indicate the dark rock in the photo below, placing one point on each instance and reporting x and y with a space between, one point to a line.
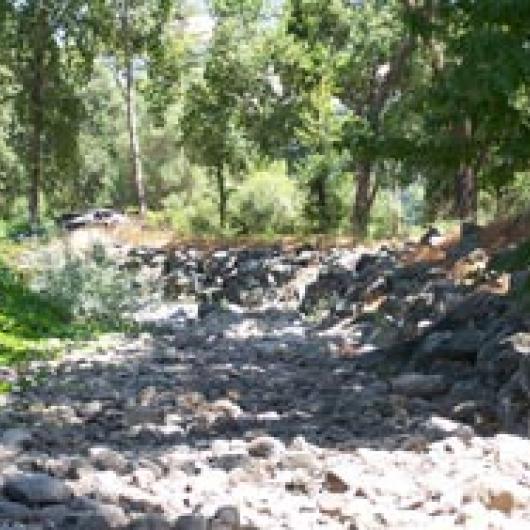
459 345
36 489
192 522
498 359
365 261
150 522
469 240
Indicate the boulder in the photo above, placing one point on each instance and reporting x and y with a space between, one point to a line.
36 489
226 518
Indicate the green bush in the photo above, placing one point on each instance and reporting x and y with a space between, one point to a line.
92 288
267 202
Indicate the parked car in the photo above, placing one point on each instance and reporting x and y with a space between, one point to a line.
98 216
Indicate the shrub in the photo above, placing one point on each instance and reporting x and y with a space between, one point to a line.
91 288
267 202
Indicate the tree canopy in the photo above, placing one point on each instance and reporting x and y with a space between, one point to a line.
172 107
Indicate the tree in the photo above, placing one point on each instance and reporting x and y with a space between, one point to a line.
319 135
476 105
133 33
365 49
48 48
220 102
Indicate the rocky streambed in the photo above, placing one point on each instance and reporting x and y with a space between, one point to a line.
284 389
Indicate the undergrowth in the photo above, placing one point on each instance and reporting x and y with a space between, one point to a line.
36 324
514 260
27 323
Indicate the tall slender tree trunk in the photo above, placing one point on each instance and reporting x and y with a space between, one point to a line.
466 181
132 117
134 142
364 197
221 188
37 123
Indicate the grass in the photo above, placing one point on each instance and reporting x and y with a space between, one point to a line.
27 321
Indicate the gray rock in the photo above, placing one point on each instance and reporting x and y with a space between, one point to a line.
54 514
16 437
419 385
192 522
150 522
226 518
36 489
14 511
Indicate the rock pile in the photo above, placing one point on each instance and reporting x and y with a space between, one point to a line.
338 389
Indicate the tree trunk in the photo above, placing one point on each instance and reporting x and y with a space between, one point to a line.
320 184
132 121
363 200
498 202
467 198
134 143
466 188
222 195
37 122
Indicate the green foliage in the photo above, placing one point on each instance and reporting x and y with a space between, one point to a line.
27 319
225 99
267 202
191 215
90 289
512 260
72 300
346 94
